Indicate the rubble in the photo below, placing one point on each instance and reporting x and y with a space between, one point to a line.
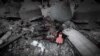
96 35
5 37
35 43
35 38
43 48
31 28
69 24
3 26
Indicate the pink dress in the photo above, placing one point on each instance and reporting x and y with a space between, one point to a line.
59 39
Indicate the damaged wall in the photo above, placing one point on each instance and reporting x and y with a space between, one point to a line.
86 11
30 10
58 10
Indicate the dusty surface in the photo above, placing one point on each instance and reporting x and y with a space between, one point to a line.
46 44
36 31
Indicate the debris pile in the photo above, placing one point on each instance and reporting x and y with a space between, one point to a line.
26 29
36 37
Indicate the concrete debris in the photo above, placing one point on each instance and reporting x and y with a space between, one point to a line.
35 37
31 28
5 37
1 41
80 42
40 45
96 35
69 24
34 43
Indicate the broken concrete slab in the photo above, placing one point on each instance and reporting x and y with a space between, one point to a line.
30 10
83 45
5 37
